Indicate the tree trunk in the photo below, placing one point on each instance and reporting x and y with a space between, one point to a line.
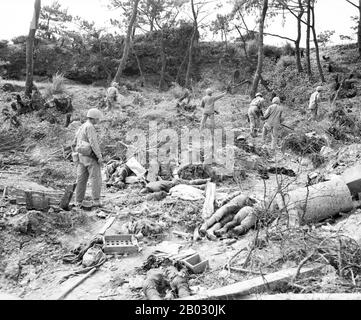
30 49
142 77
191 46
319 66
299 35
244 47
177 79
163 60
359 29
124 59
258 73
190 57
308 56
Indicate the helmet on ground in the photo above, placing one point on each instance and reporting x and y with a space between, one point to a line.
276 100
319 89
209 91
94 114
259 94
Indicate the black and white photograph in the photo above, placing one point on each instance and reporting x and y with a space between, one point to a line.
180 155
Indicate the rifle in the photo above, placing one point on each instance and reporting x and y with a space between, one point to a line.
230 86
283 125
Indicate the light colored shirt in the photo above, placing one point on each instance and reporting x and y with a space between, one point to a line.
209 101
112 93
259 102
273 115
254 111
314 100
88 134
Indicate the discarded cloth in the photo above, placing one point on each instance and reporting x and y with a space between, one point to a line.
186 192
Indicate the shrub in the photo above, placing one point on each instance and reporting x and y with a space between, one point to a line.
176 90
57 86
252 48
284 62
288 49
272 52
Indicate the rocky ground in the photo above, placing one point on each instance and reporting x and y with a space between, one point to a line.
31 258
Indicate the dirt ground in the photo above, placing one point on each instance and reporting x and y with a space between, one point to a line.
35 260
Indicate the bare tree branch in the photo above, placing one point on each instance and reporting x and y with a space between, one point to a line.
350 2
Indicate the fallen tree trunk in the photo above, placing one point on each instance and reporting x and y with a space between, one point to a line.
256 285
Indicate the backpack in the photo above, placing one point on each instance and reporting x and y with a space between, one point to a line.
84 148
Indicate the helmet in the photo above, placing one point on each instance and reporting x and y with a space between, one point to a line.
209 91
114 84
94 114
319 88
259 94
276 100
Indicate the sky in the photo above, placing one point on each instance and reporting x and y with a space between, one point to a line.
15 17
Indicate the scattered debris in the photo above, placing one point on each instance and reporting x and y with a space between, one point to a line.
196 171
93 256
186 192
265 282
195 264
304 144
120 244
157 196
145 227
159 186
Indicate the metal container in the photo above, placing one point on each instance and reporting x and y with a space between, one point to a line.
317 202
195 264
120 244
352 177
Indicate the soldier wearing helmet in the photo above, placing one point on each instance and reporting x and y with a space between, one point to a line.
112 95
273 119
90 158
314 103
255 112
208 105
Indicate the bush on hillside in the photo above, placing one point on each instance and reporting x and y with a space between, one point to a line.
56 87
176 90
284 79
285 62
288 49
252 48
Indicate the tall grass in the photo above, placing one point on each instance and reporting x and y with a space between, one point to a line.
57 86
